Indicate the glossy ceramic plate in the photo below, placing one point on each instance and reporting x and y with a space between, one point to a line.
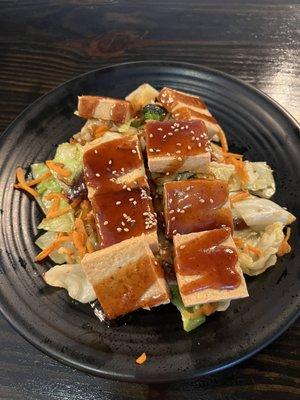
68 331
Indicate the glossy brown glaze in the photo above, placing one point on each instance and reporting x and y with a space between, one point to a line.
122 292
212 262
107 163
123 214
239 224
196 205
188 114
177 138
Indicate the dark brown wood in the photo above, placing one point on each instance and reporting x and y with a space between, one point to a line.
46 42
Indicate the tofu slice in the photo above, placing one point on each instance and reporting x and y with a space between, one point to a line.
188 107
126 277
142 96
177 146
105 108
113 165
124 214
207 267
196 205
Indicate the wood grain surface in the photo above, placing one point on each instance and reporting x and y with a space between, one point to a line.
46 42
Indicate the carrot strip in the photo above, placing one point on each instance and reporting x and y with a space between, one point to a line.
89 246
223 140
77 240
235 155
284 247
238 241
239 196
58 213
254 250
54 195
240 169
75 203
58 168
100 130
141 359
54 245
22 184
33 182
65 250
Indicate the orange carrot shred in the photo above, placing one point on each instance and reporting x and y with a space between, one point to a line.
239 196
58 213
100 130
254 250
141 359
223 140
238 241
33 182
75 203
22 184
240 169
58 168
54 245
284 247
89 246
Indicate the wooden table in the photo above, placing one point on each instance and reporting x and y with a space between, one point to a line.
45 42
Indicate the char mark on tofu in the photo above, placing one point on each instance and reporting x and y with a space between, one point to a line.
207 267
126 277
196 205
105 108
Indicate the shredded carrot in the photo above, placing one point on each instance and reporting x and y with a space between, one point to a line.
239 196
85 205
54 195
223 140
238 241
54 245
235 155
33 182
65 250
100 130
75 203
89 246
78 243
254 250
58 213
141 359
80 228
240 169
58 168
22 184
285 247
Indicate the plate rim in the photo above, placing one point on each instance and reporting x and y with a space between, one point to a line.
69 361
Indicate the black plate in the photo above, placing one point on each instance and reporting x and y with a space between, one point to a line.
68 331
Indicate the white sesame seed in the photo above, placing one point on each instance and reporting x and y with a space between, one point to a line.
193 137
126 229
151 135
134 203
192 131
199 145
159 129
124 186
173 219
118 203
211 201
96 151
123 223
188 188
171 211
186 127
202 201
133 151
97 174
178 144
168 154
189 147
167 173
174 232
105 223
151 150
179 159
178 151
110 162
131 199
176 130
182 246
171 133
119 229
129 190
170 201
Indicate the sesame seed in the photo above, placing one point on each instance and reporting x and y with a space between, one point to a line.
171 133
119 229
159 129
211 201
97 174
171 211
129 190
176 130
134 203
199 145
124 187
193 137
178 151
188 188
133 151
131 199
176 115
174 232
96 151
151 150
178 144
182 246
155 262
126 229
110 162
192 131
197 139
151 135
118 203
182 128
189 147
186 127
157 151
168 154
123 223
179 158
170 201
202 201
167 173
105 223
173 219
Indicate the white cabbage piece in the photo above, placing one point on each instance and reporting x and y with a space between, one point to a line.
222 171
142 96
71 156
56 255
259 213
261 181
86 134
267 240
72 278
